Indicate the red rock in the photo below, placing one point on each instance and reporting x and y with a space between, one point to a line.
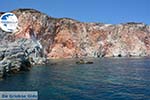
68 38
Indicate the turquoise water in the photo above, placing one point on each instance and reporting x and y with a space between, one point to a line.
106 79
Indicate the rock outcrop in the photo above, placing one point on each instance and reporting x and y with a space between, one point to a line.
18 54
68 38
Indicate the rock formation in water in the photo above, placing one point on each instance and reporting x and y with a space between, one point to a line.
18 54
39 36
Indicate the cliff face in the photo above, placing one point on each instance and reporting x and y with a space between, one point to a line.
68 38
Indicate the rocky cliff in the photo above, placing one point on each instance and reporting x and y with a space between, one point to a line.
68 38
18 54
39 36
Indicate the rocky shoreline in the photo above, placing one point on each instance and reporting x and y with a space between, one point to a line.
18 54
40 37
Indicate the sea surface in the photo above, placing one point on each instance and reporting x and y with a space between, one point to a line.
106 79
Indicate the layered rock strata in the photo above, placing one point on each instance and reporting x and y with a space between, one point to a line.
39 36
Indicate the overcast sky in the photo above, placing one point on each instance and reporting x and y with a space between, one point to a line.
106 11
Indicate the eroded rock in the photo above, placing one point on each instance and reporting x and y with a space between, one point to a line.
68 38
39 36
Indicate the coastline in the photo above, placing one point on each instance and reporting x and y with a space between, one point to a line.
40 37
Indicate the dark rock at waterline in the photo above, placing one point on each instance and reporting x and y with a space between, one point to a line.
81 61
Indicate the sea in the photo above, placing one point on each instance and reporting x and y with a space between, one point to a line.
105 79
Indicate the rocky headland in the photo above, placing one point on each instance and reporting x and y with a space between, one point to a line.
40 36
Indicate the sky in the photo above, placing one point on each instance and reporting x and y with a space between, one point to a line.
103 11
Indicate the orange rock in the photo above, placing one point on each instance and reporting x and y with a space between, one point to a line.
68 38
